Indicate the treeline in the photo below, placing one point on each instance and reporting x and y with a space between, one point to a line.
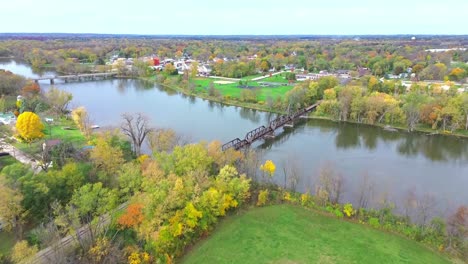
388 102
381 57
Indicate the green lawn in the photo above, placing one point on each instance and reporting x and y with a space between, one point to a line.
55 131
234 91
289 234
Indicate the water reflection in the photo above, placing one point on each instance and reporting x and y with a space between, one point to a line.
356 136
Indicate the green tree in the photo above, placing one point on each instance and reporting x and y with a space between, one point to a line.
412 105
58 100
13 213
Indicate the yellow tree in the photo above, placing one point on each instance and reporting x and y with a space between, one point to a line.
29 126
105 156
81 118
268 167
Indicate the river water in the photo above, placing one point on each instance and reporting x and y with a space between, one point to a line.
396 163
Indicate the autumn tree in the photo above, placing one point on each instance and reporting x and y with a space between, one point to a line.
58 100
133 216
268 168
194 69
413 103
106 157
29 126
457 231
13 213
22 252
163 139
136 128
88 205
330 184
31 89
81 118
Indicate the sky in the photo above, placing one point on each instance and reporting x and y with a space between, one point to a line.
235 17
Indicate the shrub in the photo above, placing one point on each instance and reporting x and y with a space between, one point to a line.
348 210
338 213
306 200
262 197
374 222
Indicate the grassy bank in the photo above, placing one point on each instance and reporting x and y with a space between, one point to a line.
290 234
62 129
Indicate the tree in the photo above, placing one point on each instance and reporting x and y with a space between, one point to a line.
457 74
268 167
13 213
457 230
31 89
265 66
194 69
164 139
88 206
81 118
330 186
136 129
106 157
22 252
58 100
169 69
29 126
133 216
412 108
2 104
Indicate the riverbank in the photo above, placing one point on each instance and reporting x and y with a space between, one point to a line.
260 107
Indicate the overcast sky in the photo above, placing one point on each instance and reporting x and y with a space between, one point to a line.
236 17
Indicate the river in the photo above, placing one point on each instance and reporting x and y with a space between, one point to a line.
396 163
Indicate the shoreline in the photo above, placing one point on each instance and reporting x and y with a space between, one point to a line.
398 128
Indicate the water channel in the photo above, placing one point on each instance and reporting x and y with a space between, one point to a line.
395 162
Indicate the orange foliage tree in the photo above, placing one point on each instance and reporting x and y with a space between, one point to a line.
132 217
30 89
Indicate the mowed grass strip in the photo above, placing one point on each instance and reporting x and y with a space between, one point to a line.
289 234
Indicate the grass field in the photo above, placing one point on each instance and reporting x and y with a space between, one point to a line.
289 234
232 90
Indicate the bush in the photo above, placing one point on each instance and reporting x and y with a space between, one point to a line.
348 210
374 222
262 197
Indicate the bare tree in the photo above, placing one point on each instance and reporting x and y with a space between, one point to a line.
366 191
137 128
330 182
251 163
410 202
291 172
457 231
425 208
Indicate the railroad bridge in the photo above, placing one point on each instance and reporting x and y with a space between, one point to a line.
268 131
77 77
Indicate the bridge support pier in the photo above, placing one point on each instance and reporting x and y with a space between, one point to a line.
269 135
289 125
